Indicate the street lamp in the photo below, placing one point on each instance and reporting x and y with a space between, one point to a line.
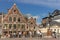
49 20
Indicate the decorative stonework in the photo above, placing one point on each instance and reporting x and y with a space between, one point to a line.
17 20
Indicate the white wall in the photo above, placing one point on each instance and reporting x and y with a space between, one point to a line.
57 29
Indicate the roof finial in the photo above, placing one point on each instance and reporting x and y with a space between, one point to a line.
14 2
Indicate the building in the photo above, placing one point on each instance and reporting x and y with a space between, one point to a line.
14 21
52 22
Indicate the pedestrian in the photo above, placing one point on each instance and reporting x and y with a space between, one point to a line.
54 34
20 33
40 34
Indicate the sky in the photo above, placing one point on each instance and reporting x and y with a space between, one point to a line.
36 8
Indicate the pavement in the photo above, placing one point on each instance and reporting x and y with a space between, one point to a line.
34 38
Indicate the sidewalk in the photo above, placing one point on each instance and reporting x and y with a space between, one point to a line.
47 37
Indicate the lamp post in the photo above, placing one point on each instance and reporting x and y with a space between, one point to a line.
49 20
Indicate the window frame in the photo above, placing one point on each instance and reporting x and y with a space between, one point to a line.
14 26
10 26
18 19
10 19
14 19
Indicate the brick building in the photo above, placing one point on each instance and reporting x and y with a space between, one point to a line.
14 21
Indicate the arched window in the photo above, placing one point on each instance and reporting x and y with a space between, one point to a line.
5 32
14 26
10 32
18 19
18 25
5 26
34 27
14 19
23 27
14 10
31 23
27 27
10 26
10 19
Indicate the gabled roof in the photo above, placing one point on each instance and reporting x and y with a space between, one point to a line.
56 12
14 10
32 20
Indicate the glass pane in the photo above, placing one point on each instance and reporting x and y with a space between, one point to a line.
18 25
14 26
5 26
10 25
10 31
14 10
10 18
23 27
14 19
18 19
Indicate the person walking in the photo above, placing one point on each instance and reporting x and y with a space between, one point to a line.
40 33
54 34
20 34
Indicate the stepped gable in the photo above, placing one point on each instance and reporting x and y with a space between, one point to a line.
12 11
31 19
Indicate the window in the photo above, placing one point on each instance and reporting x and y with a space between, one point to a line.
34 27
14 10
57 30
10 18
10 25
14 31
14 26
14 19
27 27
23 27
5 32
31 23
10 31
54 29
18 25
5 26
18 19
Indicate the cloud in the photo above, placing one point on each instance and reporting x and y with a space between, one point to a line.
37 17
29 16
49 3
